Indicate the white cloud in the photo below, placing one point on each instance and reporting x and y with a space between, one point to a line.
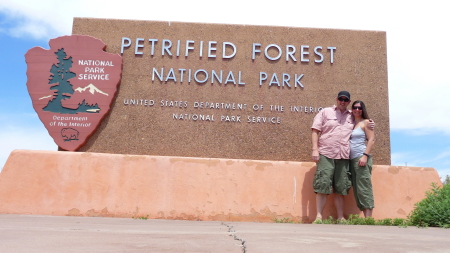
418 62
416 37
443 174
37 19
417 40
440 161
402 159
421 106
23 131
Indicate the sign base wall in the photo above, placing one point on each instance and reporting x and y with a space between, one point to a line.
163 187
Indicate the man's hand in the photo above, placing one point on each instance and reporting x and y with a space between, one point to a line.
371 124
315 145
315 156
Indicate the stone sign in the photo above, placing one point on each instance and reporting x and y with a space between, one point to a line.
234 91
72 86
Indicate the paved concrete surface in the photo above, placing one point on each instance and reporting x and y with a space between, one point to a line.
33 233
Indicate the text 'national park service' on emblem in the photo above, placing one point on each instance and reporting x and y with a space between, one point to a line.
72 86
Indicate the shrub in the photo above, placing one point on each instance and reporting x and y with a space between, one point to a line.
330 220
401 222
434 210
370 221
384 222
355 219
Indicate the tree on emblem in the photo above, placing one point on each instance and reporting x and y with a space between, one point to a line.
62 89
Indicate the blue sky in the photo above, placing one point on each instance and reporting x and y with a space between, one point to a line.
417 42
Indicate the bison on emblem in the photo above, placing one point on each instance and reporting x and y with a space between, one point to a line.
69 134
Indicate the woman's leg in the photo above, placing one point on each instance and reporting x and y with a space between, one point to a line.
362 185
367 213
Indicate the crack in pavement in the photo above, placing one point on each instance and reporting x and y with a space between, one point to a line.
231 232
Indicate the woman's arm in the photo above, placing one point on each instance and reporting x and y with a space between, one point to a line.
370 135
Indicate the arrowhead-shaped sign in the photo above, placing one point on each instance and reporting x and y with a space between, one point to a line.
72 86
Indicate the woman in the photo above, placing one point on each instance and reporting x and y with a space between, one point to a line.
361 160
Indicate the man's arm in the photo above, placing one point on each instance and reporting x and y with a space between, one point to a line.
371 124
315 144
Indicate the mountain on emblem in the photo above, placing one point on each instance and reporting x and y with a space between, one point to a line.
91 89
72 86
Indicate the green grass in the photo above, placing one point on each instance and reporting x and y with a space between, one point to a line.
283 220
355 219
432 211
140 217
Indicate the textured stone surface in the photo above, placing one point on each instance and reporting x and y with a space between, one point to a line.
114 185
359 66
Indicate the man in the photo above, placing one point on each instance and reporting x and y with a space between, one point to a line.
331 152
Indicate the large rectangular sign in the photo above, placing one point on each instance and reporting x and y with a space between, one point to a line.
233 91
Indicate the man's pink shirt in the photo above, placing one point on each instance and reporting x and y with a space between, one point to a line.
335 127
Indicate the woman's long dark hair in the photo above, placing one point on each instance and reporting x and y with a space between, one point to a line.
364 115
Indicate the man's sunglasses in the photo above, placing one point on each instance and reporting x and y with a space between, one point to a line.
343 99
357 108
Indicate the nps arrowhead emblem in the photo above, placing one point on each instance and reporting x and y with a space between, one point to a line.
72 86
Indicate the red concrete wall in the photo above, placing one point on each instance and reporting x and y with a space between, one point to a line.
94 184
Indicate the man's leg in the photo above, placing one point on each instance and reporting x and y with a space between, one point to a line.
342 184
321 200
322 183
339 203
